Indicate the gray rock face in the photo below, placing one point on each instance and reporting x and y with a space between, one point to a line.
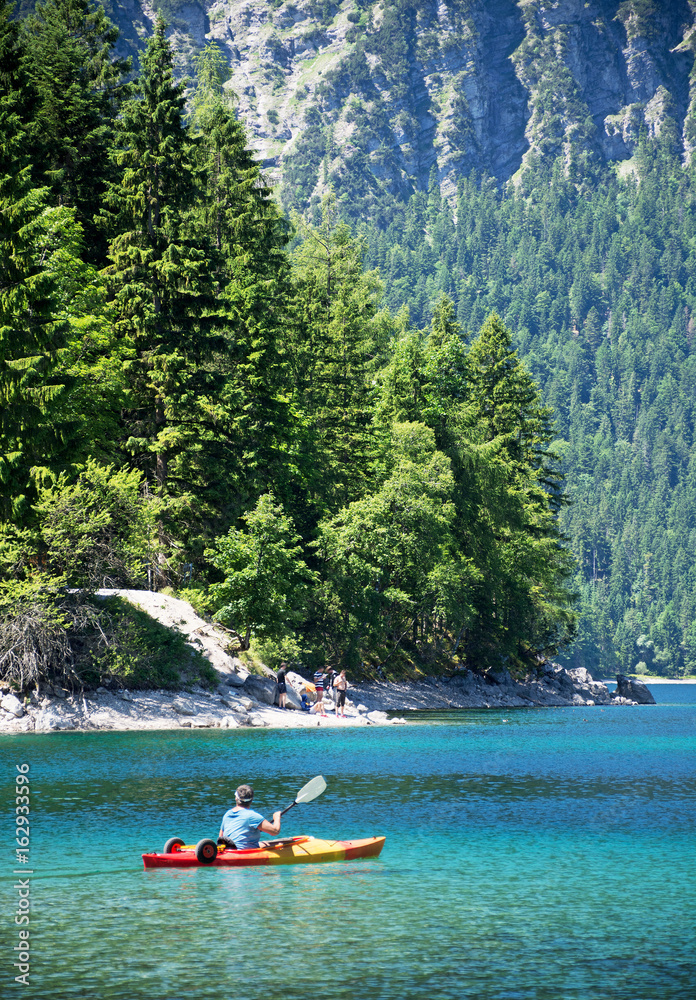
465 689
633 690
472 91
590 690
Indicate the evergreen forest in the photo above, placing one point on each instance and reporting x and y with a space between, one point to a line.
459 432
598 284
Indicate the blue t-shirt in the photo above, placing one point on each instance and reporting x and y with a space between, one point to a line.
241 826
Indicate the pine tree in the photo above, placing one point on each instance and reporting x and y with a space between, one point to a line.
30 337
77 83
332 349
164 290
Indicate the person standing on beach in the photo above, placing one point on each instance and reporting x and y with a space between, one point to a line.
282 688
341 685
319 685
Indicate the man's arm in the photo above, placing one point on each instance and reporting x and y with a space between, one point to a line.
273 828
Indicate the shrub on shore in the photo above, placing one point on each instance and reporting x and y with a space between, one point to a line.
49 634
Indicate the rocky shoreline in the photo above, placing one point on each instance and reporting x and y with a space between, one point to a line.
555 686
244 699
247 701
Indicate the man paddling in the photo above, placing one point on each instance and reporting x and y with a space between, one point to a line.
241 826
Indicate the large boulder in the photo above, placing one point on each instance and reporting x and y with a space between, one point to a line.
203 721
633 690
262 689
229 722
233 679
13 705
183 707
48 720
297 684
581 675
294 686
237 704
591 691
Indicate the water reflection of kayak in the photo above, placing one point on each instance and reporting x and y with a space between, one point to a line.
290 851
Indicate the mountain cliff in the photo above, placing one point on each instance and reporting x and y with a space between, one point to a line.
374 97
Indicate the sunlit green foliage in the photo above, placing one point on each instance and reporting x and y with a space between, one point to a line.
212 410
98 530
266 582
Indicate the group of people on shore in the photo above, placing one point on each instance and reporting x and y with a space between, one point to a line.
324 678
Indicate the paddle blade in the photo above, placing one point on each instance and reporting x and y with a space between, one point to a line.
311 790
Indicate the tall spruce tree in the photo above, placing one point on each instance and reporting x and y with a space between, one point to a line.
30 335
246 237
77 84
164 290
332 349
523 605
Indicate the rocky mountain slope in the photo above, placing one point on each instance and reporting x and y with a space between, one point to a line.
372 97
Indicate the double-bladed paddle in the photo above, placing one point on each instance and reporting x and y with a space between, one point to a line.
312 790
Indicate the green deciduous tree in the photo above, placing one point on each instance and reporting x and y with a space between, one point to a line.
266 583
98 529
487 417
389 559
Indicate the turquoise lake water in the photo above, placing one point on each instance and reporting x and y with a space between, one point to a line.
534 854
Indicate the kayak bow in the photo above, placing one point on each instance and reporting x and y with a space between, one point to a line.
293 851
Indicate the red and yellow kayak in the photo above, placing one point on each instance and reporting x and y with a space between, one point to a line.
291 851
